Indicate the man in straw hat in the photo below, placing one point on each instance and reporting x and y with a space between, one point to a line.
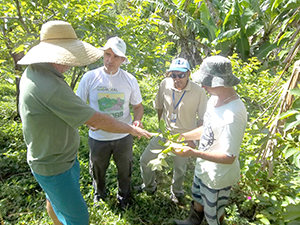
109 89
181 103
217 166
51 114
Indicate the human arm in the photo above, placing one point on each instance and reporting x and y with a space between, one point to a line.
194 134
159 113
217 157
138 111
109 124
200 123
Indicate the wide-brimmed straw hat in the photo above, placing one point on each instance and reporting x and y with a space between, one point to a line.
59 44
216 71
118 46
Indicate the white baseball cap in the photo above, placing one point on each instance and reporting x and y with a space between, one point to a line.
118 46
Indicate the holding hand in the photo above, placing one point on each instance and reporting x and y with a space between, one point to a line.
137 123
185 151
137 131
181 138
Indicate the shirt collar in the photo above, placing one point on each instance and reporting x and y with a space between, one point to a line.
49 67
187 87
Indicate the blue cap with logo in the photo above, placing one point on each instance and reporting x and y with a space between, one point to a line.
179 64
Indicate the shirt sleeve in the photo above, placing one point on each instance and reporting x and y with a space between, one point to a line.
158 102
202 104
83 90
69 107
136 97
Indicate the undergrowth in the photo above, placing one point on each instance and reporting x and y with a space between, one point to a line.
256 199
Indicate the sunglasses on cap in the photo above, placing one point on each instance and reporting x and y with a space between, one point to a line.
181 75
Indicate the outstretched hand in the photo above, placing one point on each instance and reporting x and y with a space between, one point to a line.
139 132
184 151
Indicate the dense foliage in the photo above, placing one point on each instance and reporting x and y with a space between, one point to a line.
260 37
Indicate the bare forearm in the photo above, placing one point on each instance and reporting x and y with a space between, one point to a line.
101 121
138 112
193 134
217 157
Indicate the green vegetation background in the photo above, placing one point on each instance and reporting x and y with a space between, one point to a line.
255 198
260 37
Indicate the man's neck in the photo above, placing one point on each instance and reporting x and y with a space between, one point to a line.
181 88
110 72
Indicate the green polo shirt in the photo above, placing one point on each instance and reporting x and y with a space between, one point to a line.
51 114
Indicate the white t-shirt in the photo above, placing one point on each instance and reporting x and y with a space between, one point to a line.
223 131
110 94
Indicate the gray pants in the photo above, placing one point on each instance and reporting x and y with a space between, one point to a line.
179 169
100 154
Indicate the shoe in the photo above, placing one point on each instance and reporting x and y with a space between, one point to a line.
177 198
124 205
194 218
97 198
140 189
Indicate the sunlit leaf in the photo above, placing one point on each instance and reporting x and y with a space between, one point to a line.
295 92
290 152
156 151
288 114
292 122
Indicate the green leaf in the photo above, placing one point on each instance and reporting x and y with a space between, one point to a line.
227 17
160 142
155 164
174 137
264 49
264 220
296 104
162 126
164 163
227 34
243 45
288 113
156 151
290 152
253 28
158 163
166 150
292 212
292 122
295 92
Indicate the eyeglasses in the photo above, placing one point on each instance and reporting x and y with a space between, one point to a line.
180 76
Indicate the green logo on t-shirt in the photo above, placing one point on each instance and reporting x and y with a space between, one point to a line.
111 103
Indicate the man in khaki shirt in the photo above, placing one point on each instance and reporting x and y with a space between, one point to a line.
181 103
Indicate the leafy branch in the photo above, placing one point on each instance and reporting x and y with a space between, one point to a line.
170 143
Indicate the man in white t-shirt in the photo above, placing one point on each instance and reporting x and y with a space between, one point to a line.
217 167
111 90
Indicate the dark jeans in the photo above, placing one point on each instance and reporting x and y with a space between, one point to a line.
100 154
